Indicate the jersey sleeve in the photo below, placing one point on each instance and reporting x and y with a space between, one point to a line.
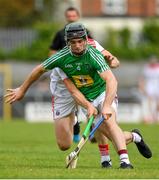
98 46
99 62
50 63
56 60
61 74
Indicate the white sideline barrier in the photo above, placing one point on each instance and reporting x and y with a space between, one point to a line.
42 112
129 113
38 112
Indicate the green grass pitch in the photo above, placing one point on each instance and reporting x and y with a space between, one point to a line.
30 151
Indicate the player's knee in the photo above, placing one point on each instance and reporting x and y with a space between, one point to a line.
64 146
108 126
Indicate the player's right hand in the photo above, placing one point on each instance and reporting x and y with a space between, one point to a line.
13 95
91 111
107 111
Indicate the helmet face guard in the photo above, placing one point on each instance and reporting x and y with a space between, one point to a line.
75 31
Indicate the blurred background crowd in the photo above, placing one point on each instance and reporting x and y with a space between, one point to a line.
129 29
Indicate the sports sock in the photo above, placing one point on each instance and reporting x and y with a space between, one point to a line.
123 155
136 137
76 128
104 152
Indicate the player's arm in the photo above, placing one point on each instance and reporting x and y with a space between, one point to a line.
111 83
18 93
80 98
76 94
111 90
111 60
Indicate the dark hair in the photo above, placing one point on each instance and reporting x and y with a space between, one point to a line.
72 9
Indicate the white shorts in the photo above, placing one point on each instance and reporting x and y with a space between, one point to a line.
62 107
98 103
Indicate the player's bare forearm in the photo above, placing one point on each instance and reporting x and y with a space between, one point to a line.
33 76
111 89
76 94
79 97
111 60
18 93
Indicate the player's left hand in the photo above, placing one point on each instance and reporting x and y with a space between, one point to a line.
113 62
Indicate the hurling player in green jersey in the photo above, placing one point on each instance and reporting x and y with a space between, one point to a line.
86 68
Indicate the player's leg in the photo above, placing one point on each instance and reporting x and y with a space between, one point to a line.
102 140
63 115
64 131
76 132
111 129
76 129
64 135
103 149
136 137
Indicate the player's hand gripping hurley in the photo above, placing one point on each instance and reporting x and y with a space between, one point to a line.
84 139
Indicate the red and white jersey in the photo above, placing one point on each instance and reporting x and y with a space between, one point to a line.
57 76
151 76
95 44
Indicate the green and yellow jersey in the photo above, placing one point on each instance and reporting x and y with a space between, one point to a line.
82 70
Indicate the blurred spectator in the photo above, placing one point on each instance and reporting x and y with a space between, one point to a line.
71 15
149 87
